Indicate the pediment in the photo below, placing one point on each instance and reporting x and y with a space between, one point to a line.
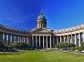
44 30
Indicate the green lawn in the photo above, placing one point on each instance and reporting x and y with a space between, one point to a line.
39 56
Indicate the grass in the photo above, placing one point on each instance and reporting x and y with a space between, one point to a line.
40 56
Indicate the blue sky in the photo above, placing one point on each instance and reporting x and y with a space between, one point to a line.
22 14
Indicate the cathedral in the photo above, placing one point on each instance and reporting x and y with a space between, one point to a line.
41 36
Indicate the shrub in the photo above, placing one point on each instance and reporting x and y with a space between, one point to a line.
20 45
2 46
65 45
77 48
82 46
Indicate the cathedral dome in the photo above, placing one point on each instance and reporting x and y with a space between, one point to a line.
41 17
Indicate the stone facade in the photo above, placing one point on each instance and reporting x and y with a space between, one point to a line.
41 36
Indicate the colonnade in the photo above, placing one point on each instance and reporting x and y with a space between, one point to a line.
41 25
41 41
77 38
6 39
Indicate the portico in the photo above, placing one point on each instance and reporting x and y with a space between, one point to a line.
41 41
42 38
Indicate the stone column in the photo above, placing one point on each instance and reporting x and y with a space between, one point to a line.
83 37
50 42
79 40
67 38
19 38
24 39
43 41
75 39
32 41
39 25
46 41
71 39
5 39
9 39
